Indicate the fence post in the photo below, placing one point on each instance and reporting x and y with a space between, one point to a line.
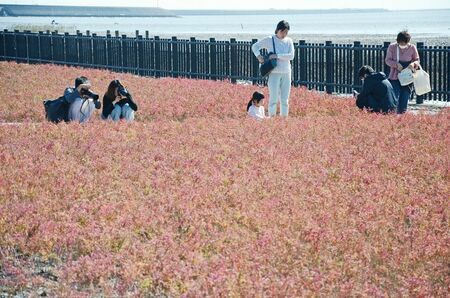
157 57
357 61
329 67
255 64
205 61
3 45
39 46
175 66
136 52
124 56
420 46
91 47
108 51
233 59
213 59
94 56
140 55
386 68
47 33
79 36
117 47
65 38
52 45
16 54
107 48
27 35
295 66
2 58
55 50
193 58
448 74
302 60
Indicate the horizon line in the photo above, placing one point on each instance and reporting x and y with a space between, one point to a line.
231 9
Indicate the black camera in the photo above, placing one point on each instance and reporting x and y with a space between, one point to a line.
121 89
89 94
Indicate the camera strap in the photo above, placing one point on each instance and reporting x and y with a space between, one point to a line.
82 105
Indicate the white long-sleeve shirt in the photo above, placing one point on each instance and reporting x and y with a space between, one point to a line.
256 112
284 49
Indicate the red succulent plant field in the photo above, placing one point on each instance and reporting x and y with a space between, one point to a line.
195 199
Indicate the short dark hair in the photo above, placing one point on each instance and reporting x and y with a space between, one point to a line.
282 25
366 69
80 80
404 36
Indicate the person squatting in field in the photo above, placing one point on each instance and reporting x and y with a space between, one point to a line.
82 101
377 94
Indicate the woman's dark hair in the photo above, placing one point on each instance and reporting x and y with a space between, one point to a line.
403 37
257 96
282 25
110 94
366 69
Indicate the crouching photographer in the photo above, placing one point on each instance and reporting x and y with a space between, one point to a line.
123 108
377 94
82 100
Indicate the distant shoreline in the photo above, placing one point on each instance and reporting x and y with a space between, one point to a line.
186 12
14 10
18 10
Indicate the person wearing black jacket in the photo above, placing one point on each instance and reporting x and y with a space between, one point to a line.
124 108
377 94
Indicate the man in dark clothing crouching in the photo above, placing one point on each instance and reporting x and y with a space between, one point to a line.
377 94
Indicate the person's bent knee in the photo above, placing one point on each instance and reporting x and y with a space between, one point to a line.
127 113
116 113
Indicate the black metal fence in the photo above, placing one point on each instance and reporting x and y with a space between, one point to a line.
326 67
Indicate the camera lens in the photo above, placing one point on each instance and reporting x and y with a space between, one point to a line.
89 94
123 91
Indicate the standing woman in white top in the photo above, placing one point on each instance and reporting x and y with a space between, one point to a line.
280 78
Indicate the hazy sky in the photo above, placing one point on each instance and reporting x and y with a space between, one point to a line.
251 4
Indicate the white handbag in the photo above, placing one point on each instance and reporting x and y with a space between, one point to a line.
422 83
405 77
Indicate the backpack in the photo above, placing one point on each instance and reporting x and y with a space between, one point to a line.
57 110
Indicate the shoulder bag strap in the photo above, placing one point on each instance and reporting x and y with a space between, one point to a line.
273 42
